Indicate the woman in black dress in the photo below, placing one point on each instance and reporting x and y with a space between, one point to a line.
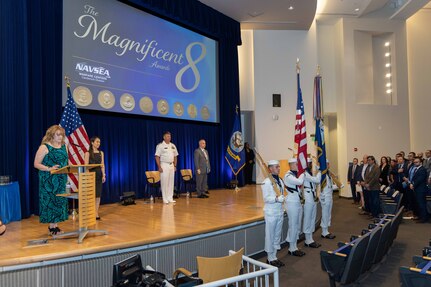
384 171
95 156
249 163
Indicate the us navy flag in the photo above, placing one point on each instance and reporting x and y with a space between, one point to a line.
235 155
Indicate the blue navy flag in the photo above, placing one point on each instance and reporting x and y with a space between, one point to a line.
77 140
321 151
235 155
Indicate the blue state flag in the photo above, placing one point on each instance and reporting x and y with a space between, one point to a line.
321 151
235 155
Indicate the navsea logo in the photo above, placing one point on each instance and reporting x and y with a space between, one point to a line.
88 72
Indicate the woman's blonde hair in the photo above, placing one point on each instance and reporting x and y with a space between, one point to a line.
49 136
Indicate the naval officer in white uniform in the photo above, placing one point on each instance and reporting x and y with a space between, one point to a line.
310 206
274 212
166 159
293 206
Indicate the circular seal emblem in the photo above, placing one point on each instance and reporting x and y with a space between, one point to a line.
127 102
146 105
82 96
163 107
178 109
236 142
205 113
192 111
106 99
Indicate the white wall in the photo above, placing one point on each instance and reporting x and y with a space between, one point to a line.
419 64
275 54
246 71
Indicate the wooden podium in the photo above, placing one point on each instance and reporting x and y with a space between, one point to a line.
86 200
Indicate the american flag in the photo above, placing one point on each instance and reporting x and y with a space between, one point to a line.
300 131
77 140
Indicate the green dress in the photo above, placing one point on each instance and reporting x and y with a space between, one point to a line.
53 208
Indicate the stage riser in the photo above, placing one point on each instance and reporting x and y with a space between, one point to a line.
96 270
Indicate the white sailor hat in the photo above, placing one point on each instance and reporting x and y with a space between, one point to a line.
273 162
309 160
292 160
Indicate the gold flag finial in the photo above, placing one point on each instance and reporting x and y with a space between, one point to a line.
67 79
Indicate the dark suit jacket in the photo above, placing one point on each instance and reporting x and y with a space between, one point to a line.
420 180
405 172
372 178
201 162
356 176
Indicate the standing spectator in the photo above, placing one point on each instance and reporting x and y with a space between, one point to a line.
95 156
393 178
249 164
427 161
52 155
371 183
352 179
363 171
384 171
419 186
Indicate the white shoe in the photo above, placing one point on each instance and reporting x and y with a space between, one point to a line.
166 202
173 201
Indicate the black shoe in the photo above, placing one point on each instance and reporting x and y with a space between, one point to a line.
207 192
313 245
275 263
203 196
53 231
296 253
280 263
328 236
97 217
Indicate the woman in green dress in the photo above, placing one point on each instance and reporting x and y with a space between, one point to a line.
52 155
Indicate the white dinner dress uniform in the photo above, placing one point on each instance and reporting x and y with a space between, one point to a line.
167 154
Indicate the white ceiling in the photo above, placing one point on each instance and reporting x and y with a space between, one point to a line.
276 15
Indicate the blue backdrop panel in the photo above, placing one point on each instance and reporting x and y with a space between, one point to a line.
31 85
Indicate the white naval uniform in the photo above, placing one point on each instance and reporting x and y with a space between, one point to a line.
167 154
293 207
310 205
326 203
273 212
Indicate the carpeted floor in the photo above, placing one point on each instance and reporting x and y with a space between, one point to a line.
306 271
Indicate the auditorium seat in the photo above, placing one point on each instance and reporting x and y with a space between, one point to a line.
187 181
152 188
418 276
344 264
371 251
213 269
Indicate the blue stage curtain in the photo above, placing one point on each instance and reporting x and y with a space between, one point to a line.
31 85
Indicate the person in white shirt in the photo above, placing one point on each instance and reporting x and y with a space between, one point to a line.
310 205
166 159
273 212
293 206
326 204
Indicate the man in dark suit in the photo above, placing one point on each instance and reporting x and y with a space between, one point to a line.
352 178
363 169
372 184
202 168
419 187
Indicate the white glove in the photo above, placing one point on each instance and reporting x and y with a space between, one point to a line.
342 185
280 198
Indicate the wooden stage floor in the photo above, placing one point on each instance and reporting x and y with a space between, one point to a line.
134 225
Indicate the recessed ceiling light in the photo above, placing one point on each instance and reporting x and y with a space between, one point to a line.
387 54
387 65
291 7
388 91
388 75
388 85
356 9
255 13
387 44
